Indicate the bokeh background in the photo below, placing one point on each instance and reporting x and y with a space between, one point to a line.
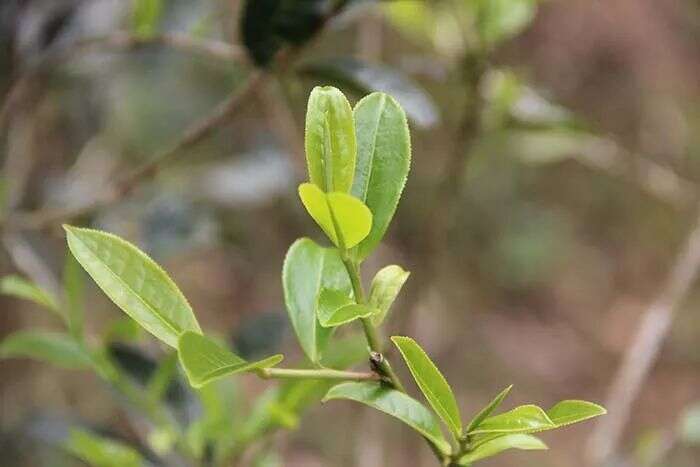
548 221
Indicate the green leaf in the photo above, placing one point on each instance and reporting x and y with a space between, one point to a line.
347 314
385 287
73 290
394 403
98 451
134 282
161 378
308 269
204 360
344 219
56 348
146 15
574 411
383 162
486 411
331 147
523 419
363 78
20 287
500 444
431 382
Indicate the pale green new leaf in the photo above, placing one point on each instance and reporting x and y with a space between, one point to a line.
134 282
20 287
394 403
343 218
522 419
500 444
383 162
330 143
385 287
55 348
98 451
329 301
431 382
308 269
204 360
486 411
347 314
574 411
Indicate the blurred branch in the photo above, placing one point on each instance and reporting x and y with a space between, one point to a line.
661 182
195 133
285 127
643 352
119 40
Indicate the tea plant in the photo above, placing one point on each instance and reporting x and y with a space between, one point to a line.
358 161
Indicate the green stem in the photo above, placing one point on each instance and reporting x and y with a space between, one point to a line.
374 341
326 373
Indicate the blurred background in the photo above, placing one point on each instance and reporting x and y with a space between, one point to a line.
549 220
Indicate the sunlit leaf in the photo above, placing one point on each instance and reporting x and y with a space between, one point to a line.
20 287
364 77
500 444
55 348
522 419
431 382
344 218
204 360
347 314
383 162
394 403
330 143
385 287
99 451
134 282
486 411
573 411
308 269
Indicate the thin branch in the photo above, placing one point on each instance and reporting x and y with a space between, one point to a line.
195 133
118 40
643 352
326 374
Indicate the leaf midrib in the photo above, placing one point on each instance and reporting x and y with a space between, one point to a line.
370 166
168 323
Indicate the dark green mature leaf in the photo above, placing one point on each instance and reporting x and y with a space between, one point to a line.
486 411
394 403
204 360
55 348
329 141
523 419
347 314
134 282
500 444
146 15
268 25
431 382
308 269
344 218
383 162
20 287
574 411
98 451
385 287
363 77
